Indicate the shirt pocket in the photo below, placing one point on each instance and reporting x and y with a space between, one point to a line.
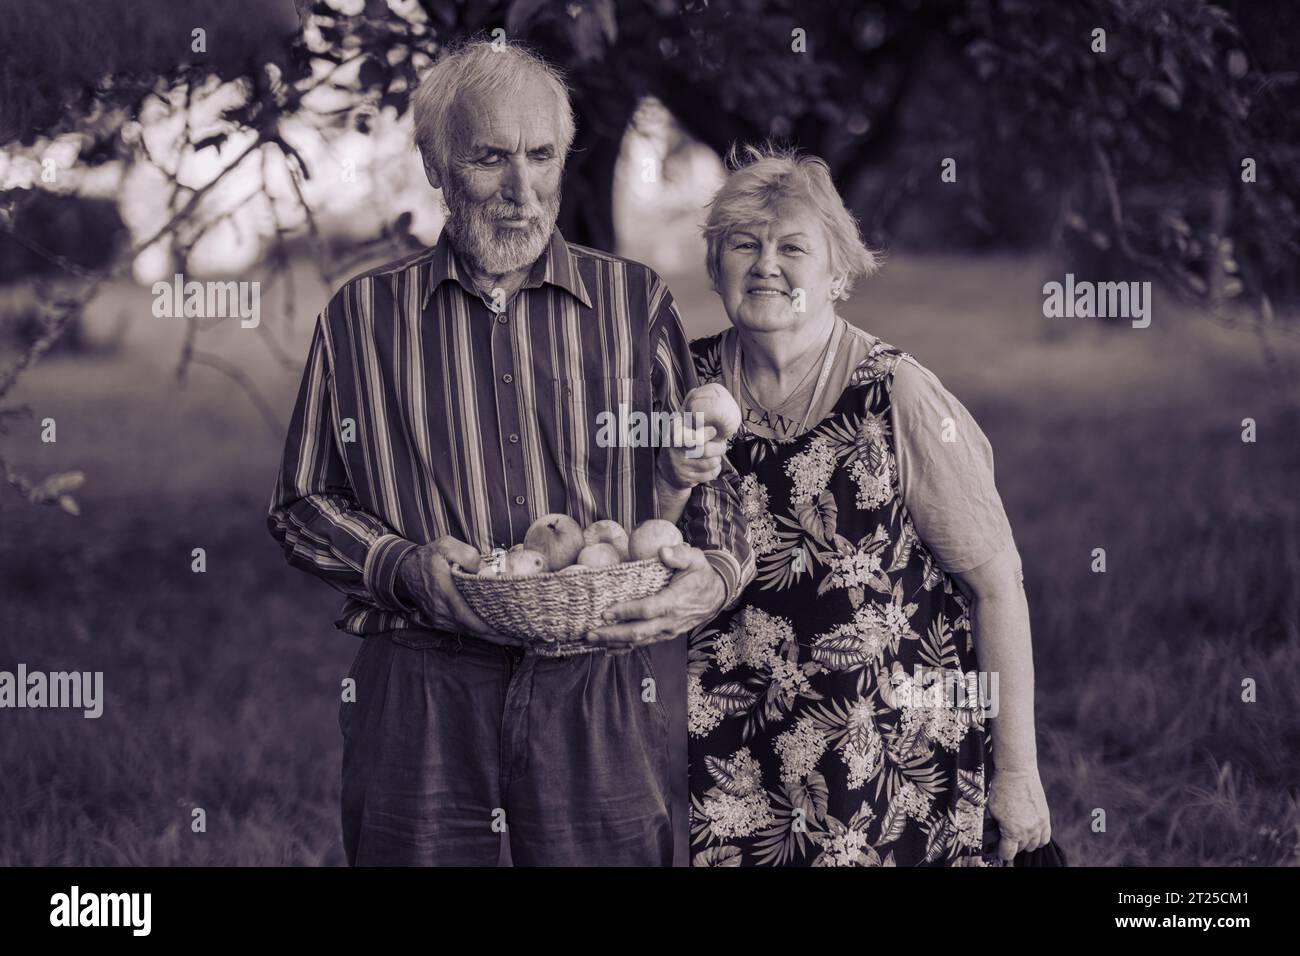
583 426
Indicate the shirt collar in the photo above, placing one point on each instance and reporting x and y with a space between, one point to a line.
557 265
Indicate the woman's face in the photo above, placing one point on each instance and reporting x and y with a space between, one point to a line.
776 276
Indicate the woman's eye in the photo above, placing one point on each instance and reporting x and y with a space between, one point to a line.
793 249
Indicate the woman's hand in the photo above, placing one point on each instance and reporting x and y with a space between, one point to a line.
1018 804
692 458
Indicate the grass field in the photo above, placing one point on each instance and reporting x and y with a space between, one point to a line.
222 688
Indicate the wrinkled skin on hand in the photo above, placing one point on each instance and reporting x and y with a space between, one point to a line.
426 576
692 597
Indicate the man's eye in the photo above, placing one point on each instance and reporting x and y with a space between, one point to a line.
542 156
490 160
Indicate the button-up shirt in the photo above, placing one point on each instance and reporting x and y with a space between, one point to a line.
427 408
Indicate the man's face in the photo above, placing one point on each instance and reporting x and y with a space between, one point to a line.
502 186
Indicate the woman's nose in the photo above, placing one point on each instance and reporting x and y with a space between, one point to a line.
765 264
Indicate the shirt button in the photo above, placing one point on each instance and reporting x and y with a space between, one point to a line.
507 378
514 439
519 499
502 318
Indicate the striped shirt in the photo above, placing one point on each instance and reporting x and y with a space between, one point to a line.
424 411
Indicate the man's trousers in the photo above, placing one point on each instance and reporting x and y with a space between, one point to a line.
452 740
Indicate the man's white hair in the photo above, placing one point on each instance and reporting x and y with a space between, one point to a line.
483 68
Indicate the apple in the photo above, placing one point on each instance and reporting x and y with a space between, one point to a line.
522 563
574 569
714 404
607 531
558 538
458 552
601 555
650 536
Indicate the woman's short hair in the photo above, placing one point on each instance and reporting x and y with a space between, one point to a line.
759 180
482 67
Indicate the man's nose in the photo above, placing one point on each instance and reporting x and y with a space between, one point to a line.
517 185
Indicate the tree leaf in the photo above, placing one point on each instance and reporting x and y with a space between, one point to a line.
521 13
49 490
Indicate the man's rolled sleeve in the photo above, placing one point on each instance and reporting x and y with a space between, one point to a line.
712 519
725 564
380 573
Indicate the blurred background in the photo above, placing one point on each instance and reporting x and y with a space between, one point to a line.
269 140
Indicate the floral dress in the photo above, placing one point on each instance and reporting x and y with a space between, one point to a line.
835 715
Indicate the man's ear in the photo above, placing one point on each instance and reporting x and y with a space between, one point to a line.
431 173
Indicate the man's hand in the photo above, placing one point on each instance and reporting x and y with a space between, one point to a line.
693 597
426 577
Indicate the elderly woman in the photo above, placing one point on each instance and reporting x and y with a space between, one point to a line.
838 713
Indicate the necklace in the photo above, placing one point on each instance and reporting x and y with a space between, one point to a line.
828 356
744 380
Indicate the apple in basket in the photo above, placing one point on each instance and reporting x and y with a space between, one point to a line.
650 536
602 555
557 538
522 562
607 531
455 551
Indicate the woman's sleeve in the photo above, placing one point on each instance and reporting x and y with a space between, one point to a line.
945 466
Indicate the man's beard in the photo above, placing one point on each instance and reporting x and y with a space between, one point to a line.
489 248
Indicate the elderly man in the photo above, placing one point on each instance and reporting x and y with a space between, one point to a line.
455 392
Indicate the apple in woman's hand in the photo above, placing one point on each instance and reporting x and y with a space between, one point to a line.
714 404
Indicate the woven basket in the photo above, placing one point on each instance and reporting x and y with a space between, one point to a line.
553 610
